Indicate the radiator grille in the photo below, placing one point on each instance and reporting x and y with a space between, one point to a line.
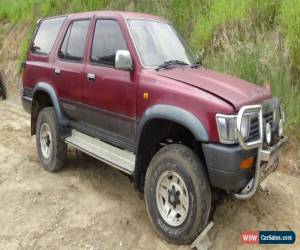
254 126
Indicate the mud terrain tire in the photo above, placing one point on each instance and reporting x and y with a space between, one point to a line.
186 168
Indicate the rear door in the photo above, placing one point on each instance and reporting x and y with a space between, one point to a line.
39 62
109 93
69 68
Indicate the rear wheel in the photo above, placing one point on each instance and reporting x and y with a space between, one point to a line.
51 149
177 194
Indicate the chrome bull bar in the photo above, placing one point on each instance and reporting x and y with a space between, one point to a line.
251 187
263 155
244 110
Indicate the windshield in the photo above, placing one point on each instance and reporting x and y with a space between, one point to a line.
159 42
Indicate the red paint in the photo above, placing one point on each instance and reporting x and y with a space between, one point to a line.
200 91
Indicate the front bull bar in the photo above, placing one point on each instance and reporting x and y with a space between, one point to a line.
251 187
263 155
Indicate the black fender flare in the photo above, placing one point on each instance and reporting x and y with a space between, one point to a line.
174 114
170 113
48 89
63 128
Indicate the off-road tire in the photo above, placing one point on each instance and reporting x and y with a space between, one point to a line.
182 160
59 148
3 90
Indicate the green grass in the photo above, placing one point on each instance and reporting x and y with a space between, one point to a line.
290 26
260 62
220 13
257 40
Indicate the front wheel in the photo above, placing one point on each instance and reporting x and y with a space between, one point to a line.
177 194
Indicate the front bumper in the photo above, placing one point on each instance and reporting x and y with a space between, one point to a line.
223 164
223 161
267 154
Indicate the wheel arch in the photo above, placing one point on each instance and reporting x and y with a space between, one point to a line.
181 118
44 95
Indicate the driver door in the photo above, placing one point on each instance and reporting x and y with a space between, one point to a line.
110 94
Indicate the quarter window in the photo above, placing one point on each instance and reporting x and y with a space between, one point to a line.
46 35
108 38
74 41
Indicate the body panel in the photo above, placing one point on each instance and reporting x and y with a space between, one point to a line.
232 89
166 91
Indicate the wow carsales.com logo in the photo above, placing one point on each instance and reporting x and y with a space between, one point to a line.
268 237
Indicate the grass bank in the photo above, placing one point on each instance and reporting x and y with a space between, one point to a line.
256 40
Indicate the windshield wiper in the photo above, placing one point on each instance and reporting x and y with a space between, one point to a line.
170 63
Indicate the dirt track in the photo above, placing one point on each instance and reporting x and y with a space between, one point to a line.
89 205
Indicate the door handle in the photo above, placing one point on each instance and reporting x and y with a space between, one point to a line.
57 71
91 77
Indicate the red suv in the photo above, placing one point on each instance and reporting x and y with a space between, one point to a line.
126 89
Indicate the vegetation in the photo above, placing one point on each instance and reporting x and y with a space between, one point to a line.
256 40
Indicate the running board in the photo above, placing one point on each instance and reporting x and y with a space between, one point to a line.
118 158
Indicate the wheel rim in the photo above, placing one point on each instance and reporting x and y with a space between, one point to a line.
172 198
46 141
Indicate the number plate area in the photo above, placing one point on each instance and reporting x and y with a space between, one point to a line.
269 167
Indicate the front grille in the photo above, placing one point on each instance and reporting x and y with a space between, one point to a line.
268 117
254 126
254 129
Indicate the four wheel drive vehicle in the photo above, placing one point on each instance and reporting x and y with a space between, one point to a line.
3 88
126 89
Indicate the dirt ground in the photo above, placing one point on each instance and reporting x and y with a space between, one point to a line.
89 205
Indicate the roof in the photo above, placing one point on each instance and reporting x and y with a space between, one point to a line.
124 14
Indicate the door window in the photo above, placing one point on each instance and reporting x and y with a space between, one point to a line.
74 42
108 38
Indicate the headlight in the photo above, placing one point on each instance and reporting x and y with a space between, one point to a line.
227 125
268 133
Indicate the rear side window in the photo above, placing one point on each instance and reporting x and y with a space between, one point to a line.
46 35
108 38
74 42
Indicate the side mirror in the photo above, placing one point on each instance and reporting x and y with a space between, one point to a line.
123 60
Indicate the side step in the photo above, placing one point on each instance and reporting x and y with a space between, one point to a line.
118 158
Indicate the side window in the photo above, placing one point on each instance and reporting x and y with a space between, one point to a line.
46 35
74 41
108 38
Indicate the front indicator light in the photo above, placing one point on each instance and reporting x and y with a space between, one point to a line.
247 163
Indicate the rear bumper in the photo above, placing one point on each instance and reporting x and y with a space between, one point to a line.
26 102
223 164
